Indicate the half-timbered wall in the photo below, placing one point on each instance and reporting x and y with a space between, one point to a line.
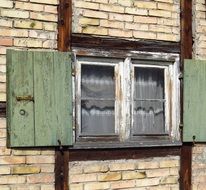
199 52
32 24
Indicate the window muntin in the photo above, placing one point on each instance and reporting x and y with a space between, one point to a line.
167 100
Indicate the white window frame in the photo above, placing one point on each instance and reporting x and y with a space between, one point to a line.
124 94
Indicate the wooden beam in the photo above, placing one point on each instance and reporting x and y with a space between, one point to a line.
61 169
186 53
124 153
64 44
64 25
85 41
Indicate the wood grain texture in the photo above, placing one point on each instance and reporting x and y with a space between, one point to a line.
53 99
20 114
186 53
39 98
64 25
86 41
194 101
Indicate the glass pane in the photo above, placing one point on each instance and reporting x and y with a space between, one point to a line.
149 117
97 117
149 83
97 82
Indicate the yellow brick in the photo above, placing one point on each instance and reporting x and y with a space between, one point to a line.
12 179
147 182
96 186
43 16
136 11
4 187
12 160
168 22
40 159
120 33
120 17
25 152
29 6
122 166
144 35
160 13
89 21
111 24
167 37
2 87
166 6
111 8
96 168
169 163
86 5
2 133
169 180
50 9
52 2
14 32
47 187
133 175
127 3
50 26
24 42
6 3
47 168
82 178
4 170
145 19
158 28
95 30
148 165
4 151
95 14
110 176
5 22
145 4
123 184
158 172
2 123
76 187
25 170
28 24
135 26
51 44
40 178
14 13
26 187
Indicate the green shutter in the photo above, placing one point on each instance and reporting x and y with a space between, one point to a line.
194 101
47 119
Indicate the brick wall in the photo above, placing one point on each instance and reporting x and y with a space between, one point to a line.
148 174
25 24
199 52
135 19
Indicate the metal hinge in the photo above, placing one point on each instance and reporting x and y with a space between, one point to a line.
180 76
181 126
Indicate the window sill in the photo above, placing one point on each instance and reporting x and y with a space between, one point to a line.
113 145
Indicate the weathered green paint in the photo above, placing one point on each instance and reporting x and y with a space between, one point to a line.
20 120
51 86
194 112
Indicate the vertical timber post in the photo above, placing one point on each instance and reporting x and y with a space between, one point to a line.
186 53
64 44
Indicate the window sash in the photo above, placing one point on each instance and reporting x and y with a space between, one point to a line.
115 65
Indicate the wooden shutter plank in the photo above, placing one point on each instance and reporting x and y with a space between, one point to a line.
53 99
20 84
194 101
63 97
44 99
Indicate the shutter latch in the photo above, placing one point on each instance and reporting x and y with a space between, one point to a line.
25 98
